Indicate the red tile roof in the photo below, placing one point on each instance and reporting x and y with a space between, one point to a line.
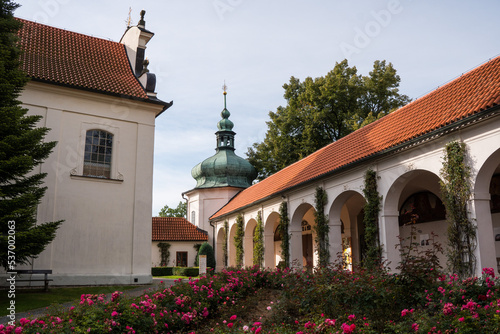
176 229
63 57
465 96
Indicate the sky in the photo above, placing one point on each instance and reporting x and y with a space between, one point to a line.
255 46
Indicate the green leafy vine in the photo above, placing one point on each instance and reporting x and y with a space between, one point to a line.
456 192
258 242
373 255
284 235
322 228
238 240
165 253
224 246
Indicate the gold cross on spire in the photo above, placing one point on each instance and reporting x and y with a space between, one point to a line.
224 88
129 20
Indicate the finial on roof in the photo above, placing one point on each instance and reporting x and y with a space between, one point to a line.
141 21
129 20
224 88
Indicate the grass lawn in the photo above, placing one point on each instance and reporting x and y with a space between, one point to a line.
30 299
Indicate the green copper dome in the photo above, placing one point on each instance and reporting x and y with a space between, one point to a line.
225 168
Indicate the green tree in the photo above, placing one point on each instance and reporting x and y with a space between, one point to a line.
21 150
206 249
322 110
179 211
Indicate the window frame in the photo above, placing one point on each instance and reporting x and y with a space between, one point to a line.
183 253
100 164
115 175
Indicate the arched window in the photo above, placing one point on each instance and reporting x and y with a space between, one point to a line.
98 153
422 207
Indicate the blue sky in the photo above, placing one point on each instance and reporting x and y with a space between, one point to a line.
257 45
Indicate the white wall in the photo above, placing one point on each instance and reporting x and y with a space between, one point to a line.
106 234
175 246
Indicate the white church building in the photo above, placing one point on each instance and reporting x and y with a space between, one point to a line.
98 99
404 148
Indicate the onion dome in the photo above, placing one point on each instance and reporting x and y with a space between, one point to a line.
225 168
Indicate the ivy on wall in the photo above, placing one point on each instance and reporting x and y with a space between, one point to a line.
285 237
258 242
164 252
238 240
224 246
373 255
322 228
456 191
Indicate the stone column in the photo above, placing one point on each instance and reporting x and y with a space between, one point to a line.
388 233
269 255
485 251
335 239
296 247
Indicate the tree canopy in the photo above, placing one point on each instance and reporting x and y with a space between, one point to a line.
322 110
179 211
21 150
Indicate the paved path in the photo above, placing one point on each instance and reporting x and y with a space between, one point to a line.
136 292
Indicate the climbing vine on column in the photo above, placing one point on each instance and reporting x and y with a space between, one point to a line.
238 240
258 242
373 255
283 231
165 253
224 245
322 228
456 191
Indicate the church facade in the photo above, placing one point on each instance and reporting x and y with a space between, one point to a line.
406 150
98 99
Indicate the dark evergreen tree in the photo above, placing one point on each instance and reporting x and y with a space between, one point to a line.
207 250
21 150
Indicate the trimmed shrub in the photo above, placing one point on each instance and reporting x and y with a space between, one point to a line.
161 271
186 271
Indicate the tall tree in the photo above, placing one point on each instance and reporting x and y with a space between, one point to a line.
179 211
21 150
322 110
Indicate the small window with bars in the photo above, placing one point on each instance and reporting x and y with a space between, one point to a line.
98 153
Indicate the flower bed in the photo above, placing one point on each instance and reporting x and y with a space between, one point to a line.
331 300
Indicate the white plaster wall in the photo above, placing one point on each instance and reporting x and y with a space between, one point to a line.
205 202
106 234
175 246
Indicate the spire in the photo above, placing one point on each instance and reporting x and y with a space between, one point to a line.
224 168
225 124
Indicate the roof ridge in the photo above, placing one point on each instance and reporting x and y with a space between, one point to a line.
106 39
458 76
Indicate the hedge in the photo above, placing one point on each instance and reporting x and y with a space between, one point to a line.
175 271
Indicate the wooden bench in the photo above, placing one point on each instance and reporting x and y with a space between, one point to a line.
46 280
